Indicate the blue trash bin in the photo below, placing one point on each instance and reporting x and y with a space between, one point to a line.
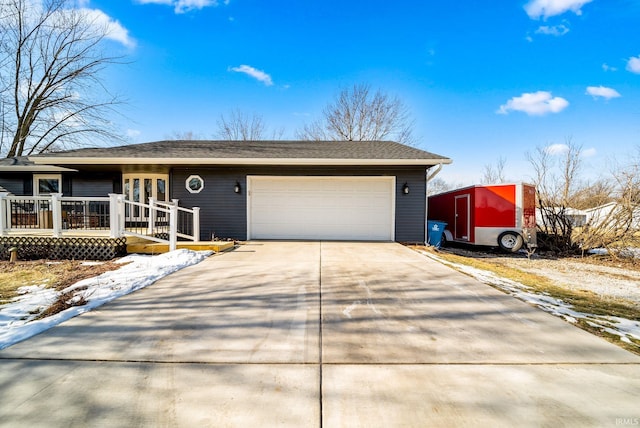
435 229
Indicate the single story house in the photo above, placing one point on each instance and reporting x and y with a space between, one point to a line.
575 217
614 215
334 190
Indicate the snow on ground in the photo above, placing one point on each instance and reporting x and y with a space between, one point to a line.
625 252
622 327
17 318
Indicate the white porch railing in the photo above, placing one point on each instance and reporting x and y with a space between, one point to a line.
58 215
188 220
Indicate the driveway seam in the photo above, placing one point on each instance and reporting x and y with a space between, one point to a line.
345 363
320 395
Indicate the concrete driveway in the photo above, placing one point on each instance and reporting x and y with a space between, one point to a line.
310 334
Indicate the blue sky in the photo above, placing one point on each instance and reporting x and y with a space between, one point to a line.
482 79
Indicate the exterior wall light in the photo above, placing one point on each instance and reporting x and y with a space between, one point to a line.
237 188
405 189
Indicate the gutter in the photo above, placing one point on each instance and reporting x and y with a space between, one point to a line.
65 160
35 168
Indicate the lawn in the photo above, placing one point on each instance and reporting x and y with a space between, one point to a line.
52 274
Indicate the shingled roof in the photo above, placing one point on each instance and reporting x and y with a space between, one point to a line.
23 164
238 152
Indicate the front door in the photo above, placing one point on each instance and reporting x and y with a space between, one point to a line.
141 187
462 218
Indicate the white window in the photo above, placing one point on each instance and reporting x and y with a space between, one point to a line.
46 184
194 184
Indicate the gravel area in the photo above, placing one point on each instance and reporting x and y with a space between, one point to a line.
604 278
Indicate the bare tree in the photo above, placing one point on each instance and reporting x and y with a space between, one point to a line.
571 166
244 127
494 175
615 225
596 193
556 179
183 135
50 90
359 114
437 185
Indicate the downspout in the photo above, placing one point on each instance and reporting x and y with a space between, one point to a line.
427 178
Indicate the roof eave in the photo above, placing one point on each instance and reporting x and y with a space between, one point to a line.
233 161
44 167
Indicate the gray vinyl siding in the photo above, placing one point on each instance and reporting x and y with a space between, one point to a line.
224 213
86 187
17 185
411 208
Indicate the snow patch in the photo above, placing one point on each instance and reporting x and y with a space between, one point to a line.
17 318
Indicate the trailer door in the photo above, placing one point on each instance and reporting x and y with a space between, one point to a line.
461 231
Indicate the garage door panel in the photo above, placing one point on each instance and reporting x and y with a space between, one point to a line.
353 208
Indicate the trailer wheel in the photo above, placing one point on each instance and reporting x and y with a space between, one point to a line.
510 241
443 240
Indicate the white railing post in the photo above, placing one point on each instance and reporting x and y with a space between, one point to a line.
122 214
5 216
196 224
175 201
56 214
173 227
114 217
152 216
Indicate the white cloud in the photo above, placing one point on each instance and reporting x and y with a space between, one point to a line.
556 149
607 67
546 8
255 73
69 118
634 65
100 23
183 6
114 30
535 104
601 91
133 133
555 30
561 149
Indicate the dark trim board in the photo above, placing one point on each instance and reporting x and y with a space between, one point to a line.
224 212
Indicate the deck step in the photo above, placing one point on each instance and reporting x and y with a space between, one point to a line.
144 246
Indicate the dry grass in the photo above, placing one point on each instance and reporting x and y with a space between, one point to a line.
58 275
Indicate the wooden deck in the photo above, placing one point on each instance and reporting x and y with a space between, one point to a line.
144 246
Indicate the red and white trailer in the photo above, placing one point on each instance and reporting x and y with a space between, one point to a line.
501 215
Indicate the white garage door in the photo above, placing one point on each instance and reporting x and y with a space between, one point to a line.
340 208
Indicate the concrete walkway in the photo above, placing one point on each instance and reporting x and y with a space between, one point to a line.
310 334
